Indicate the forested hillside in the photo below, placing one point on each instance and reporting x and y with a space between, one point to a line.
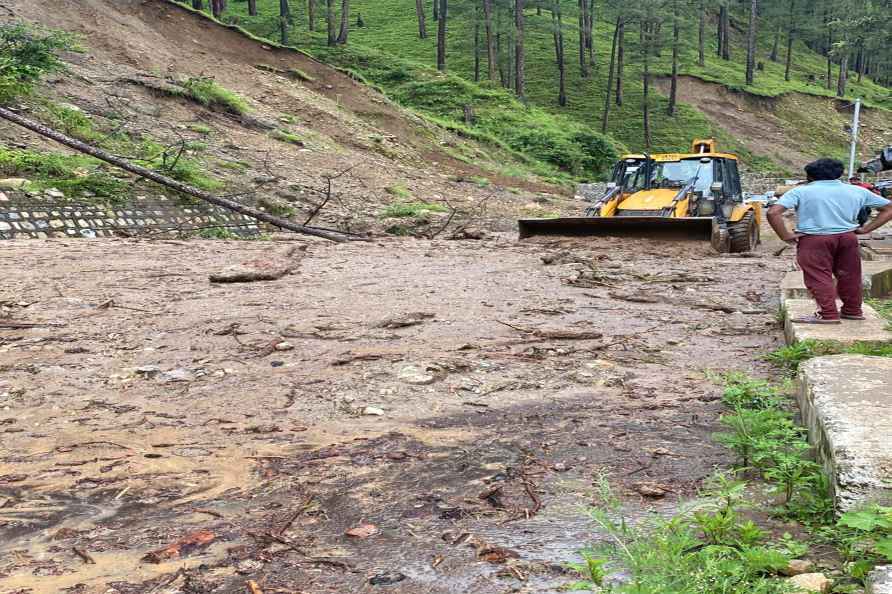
608 66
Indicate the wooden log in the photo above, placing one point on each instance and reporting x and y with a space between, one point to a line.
166 181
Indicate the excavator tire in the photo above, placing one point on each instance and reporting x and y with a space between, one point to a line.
744 234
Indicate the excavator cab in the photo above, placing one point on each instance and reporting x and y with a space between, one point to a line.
692 195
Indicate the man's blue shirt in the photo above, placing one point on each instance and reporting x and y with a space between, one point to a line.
829 207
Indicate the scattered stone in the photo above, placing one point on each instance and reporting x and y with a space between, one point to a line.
798 567
405 320
4 197
807 583
54 193
248 566
373 411
471 233
362 531
177 375
263 429
417 376
148 370
284 346
560 467
13 183
386 578
276 363
652 490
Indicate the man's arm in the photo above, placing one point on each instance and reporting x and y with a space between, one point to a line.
884 216
776 220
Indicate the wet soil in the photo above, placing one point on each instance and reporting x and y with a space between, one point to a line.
145 404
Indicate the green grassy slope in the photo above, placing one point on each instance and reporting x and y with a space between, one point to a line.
391 28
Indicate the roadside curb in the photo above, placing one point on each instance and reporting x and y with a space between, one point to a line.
872 329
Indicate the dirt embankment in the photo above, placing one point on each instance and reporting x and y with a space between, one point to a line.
160 38
792 129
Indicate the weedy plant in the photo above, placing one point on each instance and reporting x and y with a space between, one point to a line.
707 549
26 54
791 357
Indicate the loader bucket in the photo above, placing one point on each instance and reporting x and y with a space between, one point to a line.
698 228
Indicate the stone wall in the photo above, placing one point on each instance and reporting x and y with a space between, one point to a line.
40 215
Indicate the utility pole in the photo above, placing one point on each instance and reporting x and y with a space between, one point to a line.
855 124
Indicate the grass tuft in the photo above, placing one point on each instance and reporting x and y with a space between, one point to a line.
411 210
287 137
207 92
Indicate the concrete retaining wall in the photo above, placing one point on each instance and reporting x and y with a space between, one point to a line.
46 214
880 581
846 403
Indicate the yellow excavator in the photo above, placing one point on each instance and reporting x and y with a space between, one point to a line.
692 195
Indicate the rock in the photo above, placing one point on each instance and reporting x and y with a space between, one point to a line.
652 490
54 193
797 567
177 375
13 183
470 233
373 411
806 583
248 566
148 370
4 197
362 531
284 346
386 578
417 376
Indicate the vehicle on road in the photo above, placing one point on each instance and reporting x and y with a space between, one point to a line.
690 195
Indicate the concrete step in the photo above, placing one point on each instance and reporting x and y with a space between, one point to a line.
846 403
873 329
877 280
877 247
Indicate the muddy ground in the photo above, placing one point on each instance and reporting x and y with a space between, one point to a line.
464 397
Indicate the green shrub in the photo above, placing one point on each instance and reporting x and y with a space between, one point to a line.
26 54
72 122
74 175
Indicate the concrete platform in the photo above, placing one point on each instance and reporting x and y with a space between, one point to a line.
880 581
846 403
877 248
877 280
873 329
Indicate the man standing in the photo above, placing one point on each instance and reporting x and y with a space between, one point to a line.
826 237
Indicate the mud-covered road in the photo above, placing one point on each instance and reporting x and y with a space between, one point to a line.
464 398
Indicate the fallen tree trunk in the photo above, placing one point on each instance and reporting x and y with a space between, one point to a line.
166 181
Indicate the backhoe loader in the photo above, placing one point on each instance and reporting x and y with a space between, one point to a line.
692 195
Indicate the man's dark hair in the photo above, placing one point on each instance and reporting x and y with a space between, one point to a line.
824 169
